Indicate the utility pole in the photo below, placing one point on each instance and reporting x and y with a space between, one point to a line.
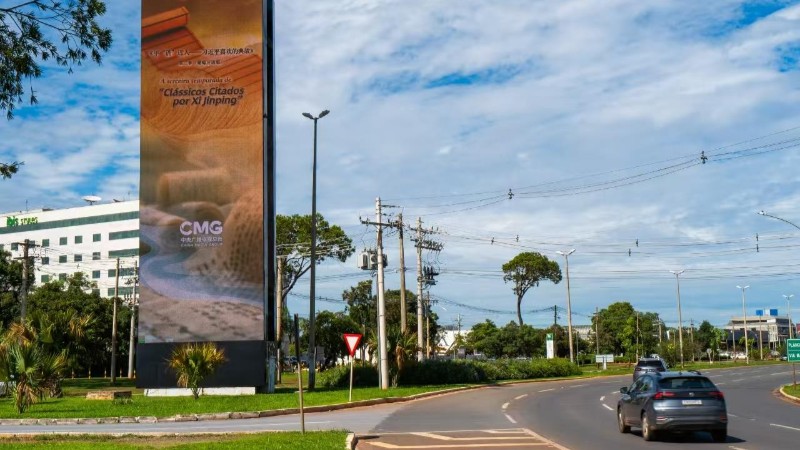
428 325
691 336
427 244
384 362
402 276
23 296
381 301
279 312
597 328
637 335
134 303
114 329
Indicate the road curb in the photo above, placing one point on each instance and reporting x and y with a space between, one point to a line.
351 441
789 397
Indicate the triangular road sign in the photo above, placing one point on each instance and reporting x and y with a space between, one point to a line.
352 341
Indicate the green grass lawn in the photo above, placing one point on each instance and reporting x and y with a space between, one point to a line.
274 441
792 390
71 406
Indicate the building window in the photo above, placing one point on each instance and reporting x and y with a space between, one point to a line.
45 242
95 274
126 272
62 258
45 260
123 253
78 258
116 235
96 237
95 256
62 277
45 278
112 273
14 246
62 241
79 239
111 292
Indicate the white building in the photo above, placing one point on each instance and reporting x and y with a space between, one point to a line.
774 329
88 239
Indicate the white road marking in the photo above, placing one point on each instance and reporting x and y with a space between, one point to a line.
736 448
784 426
510 419
519 397
781 373
578 385
548 441
615 392
548 390
602 398
505 405
733 415
737 380
608 407
720 384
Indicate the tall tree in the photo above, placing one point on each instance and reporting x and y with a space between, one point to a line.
35 31
11 287
526 270
293 238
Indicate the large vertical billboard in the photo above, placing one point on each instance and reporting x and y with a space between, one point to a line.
202 185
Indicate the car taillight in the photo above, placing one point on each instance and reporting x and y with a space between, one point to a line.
717 394
661 395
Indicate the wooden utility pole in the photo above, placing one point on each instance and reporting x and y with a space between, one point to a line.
402 276
114 329
279 313
23 296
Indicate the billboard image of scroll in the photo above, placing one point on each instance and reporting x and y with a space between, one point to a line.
201 217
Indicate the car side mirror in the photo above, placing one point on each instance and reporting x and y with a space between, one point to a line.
623 390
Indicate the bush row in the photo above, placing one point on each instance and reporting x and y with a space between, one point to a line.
432 372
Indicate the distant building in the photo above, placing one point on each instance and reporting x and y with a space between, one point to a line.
774 329
86 239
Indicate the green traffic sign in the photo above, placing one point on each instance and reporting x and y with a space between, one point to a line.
793 350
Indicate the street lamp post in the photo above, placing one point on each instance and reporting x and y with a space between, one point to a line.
744 317
312 360
789 311
680 318
569 304
778 218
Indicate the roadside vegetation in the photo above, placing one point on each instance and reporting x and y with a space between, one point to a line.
318 440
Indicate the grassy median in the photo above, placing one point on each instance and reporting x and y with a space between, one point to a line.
322 440
74 403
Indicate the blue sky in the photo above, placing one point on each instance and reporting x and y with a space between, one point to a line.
440 107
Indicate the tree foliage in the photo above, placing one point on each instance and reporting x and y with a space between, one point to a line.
7 170
526 270
36 31
293 239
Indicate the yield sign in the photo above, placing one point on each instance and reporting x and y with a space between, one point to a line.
352 341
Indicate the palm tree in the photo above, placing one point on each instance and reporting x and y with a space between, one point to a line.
194 362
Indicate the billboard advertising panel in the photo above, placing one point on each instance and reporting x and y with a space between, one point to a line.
202 172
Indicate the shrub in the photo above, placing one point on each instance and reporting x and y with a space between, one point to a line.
194 362
339 376
431 372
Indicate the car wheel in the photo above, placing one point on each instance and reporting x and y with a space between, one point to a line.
648 433
719 435
621 422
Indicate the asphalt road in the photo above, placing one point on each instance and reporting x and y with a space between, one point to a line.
580 414
575 414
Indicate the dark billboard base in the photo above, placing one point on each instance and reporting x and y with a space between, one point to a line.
245 365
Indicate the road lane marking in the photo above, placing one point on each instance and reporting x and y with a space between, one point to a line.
510 419
602 398
736 448
519 397
505 405
441 437
784 426
720 384
547 390
781 373
608 407
544 439
733 415
737 380
578 385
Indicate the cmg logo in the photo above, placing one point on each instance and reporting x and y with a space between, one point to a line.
189 228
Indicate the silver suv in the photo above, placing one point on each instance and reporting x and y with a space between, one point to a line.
649 365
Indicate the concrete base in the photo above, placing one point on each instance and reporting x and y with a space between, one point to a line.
181 392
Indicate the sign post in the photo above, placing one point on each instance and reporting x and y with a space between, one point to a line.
299 373
352 341
793 356
550 346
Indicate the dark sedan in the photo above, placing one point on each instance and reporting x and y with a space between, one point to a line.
646 365
673 401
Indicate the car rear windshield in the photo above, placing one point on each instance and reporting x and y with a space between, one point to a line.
685 383
655 363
